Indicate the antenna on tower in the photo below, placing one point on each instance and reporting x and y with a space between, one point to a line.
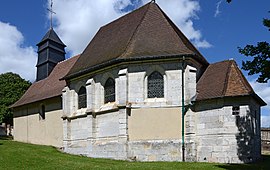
52 12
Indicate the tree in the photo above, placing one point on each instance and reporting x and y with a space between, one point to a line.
12 87
261 58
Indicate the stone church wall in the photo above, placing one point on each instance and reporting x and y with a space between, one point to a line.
100 136
30 128
97 136
134 126
224 137
155 150
76 134
149 129
107 125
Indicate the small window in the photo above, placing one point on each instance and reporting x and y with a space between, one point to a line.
235 110
42 112
255 114
109 91
155 85
82 98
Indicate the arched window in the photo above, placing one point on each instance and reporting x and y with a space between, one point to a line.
109 91
155 85
82 98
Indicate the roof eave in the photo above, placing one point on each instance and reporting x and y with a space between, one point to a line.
254 95
31 102
41 42
259 99
120 60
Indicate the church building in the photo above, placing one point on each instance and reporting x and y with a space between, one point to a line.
140 91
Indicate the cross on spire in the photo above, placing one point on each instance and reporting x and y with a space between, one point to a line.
52 12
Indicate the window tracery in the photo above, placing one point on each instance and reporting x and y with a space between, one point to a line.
82 98
155 85
109 91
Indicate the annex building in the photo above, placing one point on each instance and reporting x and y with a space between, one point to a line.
140 91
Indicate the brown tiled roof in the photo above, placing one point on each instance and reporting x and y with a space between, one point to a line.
48 87
224 79
144 33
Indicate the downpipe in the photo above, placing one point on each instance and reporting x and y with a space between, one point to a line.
183 109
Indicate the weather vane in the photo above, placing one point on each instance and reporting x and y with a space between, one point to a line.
52 12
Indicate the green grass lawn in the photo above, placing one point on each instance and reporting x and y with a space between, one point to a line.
16 155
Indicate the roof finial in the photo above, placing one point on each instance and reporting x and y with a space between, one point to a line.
52 12
154 1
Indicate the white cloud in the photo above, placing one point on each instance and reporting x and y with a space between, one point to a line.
202 44
121 4
217 12
77 21
263 90
14 57
265 121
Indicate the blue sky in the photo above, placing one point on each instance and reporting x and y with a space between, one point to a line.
215 27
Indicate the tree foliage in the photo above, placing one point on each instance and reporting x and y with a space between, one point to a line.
12 87
261 58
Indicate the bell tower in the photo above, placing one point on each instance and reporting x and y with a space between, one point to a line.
51 50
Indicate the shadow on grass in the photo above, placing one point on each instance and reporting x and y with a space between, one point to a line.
6 137
262 164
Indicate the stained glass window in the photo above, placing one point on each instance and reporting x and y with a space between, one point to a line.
109 91
155 85
82 98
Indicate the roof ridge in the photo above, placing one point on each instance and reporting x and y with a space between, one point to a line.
125 14
136 30
246 84
243 81
68 59
225 87
223 61
181 35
